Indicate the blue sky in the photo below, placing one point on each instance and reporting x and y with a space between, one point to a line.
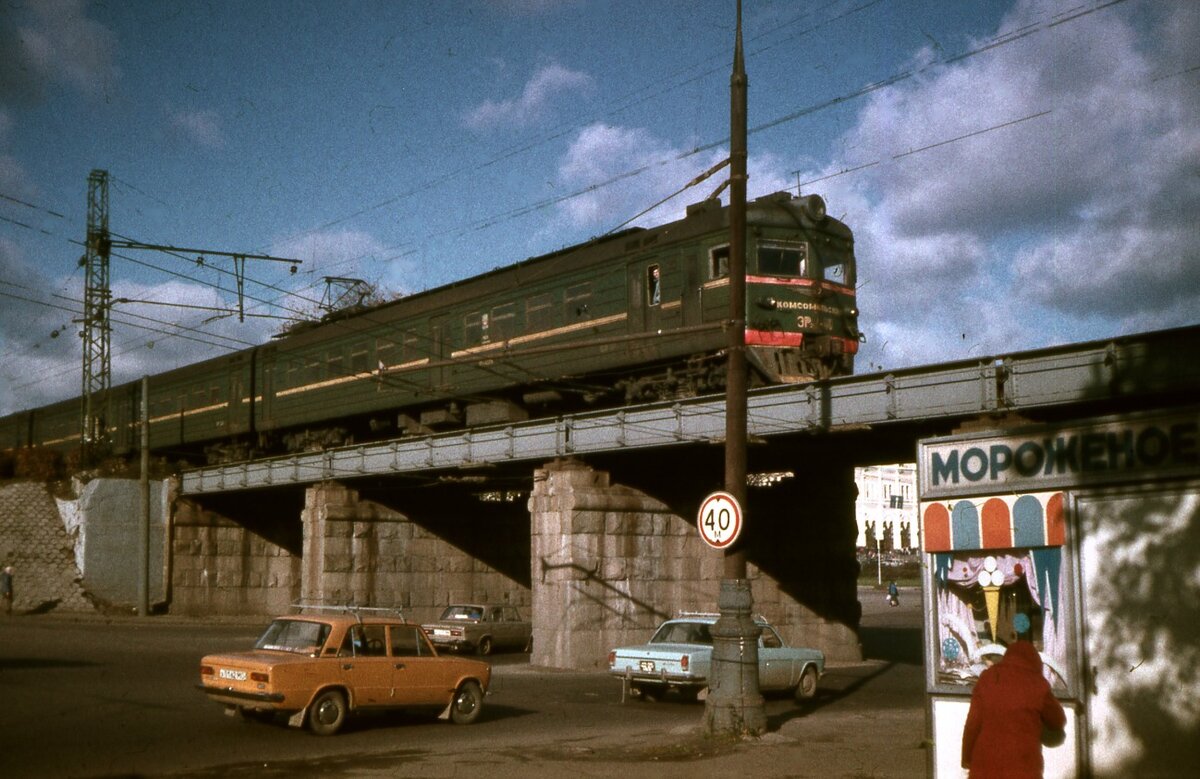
1017 174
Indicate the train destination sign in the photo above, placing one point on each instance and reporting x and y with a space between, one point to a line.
720 520
1113 449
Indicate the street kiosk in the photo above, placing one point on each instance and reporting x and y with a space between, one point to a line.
1085 540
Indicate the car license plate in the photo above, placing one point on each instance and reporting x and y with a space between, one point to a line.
646 666
237 676
441 632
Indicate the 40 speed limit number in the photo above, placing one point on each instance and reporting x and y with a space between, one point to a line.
720 520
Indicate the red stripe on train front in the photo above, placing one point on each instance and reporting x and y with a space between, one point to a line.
778 338
773 338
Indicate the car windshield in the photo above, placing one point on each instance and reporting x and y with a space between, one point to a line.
682 633
462 612
292 635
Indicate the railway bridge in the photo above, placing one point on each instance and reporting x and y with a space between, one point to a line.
586 522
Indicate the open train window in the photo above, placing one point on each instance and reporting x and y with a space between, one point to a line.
385 353
475 329
718 262
836 272
653 285
578 299
783 259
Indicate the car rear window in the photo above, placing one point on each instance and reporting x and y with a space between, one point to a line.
682 633
290 635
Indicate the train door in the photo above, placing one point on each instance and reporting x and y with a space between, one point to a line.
439 340
645 284
264 382
237 402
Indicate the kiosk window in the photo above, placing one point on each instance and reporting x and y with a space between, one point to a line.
986 599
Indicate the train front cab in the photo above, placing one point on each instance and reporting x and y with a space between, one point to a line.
1059 535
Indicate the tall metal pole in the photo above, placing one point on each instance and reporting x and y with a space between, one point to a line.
144 541
734 704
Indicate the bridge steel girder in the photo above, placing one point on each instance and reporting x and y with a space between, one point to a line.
1130 372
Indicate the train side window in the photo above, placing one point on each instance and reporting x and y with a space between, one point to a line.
653 285
197 397
475 329
539 312
783 260
718 262
578 300
335 364
313 369
385 353
358 358
502 323
836 272
415 347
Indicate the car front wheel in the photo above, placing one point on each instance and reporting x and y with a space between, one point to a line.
467 704
327 713
807 688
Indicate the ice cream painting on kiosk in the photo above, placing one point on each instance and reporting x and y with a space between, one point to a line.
1017 542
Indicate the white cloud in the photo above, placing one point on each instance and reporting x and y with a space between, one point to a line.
1076 222
55 42
202 128
544 87
618 172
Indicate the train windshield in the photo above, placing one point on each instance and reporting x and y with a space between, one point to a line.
783 259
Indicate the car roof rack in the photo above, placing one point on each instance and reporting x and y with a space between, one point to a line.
348 608
685 614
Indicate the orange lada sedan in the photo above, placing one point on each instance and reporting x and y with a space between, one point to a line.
318 670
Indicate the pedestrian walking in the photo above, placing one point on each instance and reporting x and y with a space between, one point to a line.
1011 707
893 593
6 589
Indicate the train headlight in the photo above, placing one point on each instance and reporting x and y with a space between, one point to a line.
813 207
768 303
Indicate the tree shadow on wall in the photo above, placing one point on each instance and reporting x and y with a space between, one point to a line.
1144 621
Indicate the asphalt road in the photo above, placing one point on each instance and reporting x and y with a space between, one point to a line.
94 697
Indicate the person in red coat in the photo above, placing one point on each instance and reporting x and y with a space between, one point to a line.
1010 706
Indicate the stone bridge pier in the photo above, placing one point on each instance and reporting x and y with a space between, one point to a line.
609 562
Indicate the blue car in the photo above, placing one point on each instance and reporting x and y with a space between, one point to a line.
678 658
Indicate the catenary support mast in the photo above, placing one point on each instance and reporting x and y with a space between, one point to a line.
735 704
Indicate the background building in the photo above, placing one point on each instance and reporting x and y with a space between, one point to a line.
886 509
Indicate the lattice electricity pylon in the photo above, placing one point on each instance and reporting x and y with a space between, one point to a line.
96 333
97 306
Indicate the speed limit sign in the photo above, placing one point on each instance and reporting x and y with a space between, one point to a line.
720 520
